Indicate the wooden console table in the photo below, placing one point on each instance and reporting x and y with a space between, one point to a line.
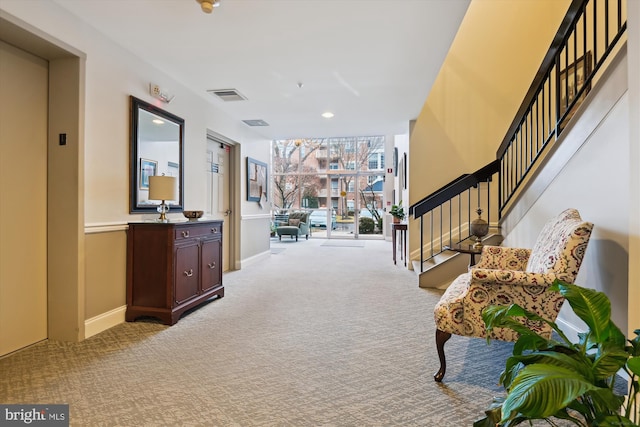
172 267
402 228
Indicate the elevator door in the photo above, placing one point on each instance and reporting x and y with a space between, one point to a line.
23 199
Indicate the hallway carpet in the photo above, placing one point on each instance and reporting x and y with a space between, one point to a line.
313 336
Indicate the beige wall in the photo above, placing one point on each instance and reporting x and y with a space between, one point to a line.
483 80
106 270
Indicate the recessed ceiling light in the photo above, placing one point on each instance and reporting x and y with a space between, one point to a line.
327 115
157 121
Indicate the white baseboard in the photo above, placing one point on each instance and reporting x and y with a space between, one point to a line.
570 330
104 321
251 260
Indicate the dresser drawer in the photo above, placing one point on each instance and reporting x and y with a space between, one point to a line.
193 231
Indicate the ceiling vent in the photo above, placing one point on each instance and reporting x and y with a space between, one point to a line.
256 122
228 94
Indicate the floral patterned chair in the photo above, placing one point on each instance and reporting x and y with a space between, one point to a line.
505 276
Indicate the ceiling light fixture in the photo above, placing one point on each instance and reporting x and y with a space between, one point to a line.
208 5
327 115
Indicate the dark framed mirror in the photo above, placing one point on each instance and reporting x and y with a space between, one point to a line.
157 138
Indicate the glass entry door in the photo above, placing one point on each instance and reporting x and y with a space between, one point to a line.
356 205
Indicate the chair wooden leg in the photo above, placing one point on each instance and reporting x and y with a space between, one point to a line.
441 338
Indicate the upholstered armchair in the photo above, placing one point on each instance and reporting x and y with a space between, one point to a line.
297 225
506 276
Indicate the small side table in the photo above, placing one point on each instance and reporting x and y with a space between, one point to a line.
402 228
465 249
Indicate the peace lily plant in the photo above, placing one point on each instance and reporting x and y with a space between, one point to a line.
547 379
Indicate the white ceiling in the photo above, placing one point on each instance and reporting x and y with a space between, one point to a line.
370 62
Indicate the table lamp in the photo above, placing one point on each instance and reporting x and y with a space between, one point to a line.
163 188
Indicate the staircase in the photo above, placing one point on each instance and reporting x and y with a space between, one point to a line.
445 218
588 34
440 270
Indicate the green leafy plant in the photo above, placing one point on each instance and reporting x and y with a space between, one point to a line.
398 211
549 379
366 226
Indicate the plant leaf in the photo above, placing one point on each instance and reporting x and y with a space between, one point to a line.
615 421
609 361
530 342
497 316
593 307
541 390
634 365
605 401
575 362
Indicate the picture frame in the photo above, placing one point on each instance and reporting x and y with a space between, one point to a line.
404 171
395 161
571 80
257 181
147 168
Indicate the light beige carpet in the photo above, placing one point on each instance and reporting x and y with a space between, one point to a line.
313 336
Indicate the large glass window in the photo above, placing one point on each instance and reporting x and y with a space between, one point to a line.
336 176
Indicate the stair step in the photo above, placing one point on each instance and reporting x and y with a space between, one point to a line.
438 272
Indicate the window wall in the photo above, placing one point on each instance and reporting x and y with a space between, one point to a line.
339 179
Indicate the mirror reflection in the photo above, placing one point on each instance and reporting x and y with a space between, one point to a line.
156 149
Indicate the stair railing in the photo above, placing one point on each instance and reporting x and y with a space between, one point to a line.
587 36
460 198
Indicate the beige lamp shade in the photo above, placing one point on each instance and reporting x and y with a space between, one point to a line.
163 188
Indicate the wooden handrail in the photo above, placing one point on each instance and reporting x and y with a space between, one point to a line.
452 189
573 14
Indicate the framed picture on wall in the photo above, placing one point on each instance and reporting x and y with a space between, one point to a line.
256 180
147 168
571 80
395 161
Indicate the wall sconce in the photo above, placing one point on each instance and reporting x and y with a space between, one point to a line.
163 188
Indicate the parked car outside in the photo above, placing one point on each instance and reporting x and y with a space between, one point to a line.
318 219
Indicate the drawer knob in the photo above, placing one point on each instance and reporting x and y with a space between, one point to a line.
214 230
212 265
185 233
188 273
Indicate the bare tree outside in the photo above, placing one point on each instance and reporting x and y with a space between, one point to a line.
290 172
328 173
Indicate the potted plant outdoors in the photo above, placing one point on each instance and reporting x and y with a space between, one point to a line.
397 211
545 378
